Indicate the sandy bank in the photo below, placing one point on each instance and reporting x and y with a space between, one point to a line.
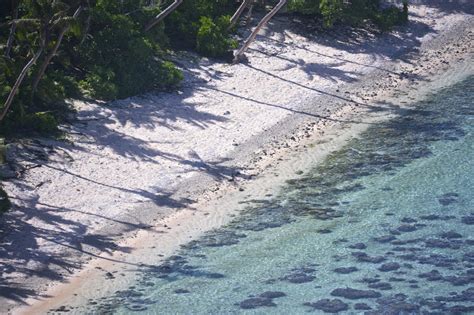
141 176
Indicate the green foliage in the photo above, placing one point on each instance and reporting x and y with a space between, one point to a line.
390 17
43 122
5 204
355 12
212 38
118 59
3 151
331 11
106 53
308 7
196 22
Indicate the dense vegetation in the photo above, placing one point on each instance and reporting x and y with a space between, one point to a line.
55 50
354 12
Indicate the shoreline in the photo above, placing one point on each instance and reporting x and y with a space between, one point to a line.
292 153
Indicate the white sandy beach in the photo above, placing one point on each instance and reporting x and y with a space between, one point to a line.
136 178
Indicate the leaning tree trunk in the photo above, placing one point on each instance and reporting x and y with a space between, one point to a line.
18 82
261 24
238 13
52 53
163 14
11 36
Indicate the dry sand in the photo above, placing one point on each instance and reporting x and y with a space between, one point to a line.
138 177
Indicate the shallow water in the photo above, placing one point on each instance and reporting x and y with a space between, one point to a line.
391 215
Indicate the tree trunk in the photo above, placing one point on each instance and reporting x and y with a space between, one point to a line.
18 82
163 14
238 13
88 24
248 18
11 36
261 24
52 53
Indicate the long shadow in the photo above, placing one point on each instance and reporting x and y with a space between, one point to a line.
319 91
305 113
25 231
159 198
333 73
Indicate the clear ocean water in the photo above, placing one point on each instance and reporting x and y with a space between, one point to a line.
383 226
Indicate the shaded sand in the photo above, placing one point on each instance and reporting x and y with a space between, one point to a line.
141 176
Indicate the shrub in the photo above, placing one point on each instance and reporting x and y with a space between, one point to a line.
212 38
390 17
309 7
331 11
355 12
5 204
3 151
184 24
119 59
43 122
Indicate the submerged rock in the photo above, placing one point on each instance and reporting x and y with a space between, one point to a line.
329 305
363 257
406 228
298 277
448 199
181 291
469 220
362 307
385 238
408 220
436 243
345 270
358 246
380 286
256 302
450 235
272 294
355 294
433 275
389 267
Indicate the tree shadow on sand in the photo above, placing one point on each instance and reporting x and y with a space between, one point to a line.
25 231
40 242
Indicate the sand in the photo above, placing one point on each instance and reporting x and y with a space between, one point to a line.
136 178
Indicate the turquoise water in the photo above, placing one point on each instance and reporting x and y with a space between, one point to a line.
385 225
